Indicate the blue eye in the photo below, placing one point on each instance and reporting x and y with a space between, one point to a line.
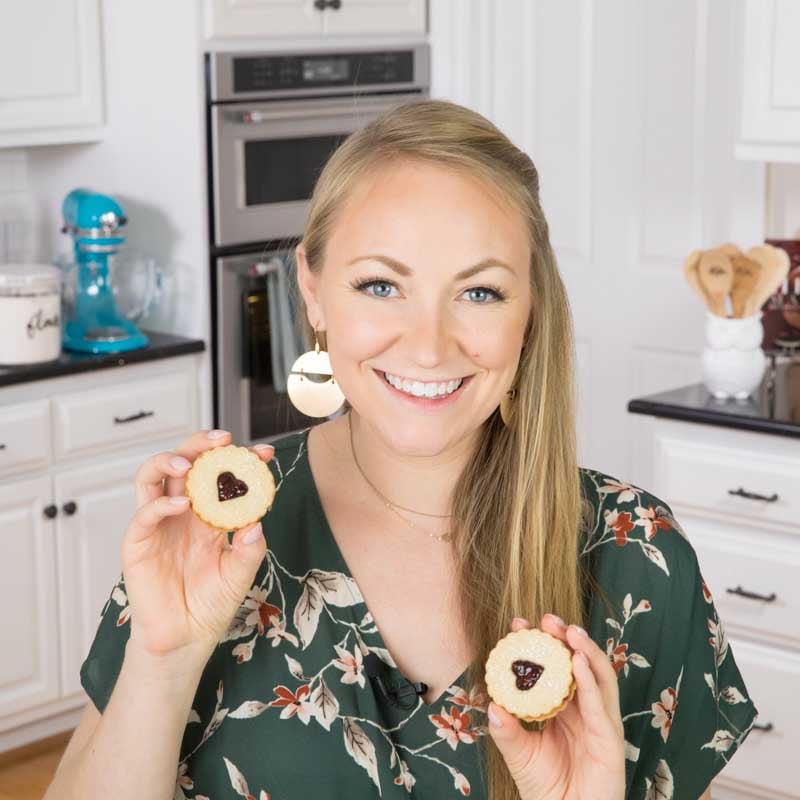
489 293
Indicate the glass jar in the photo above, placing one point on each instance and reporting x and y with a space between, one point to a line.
30 314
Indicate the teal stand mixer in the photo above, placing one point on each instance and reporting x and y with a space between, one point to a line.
93 323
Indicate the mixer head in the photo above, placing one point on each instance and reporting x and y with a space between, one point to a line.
94 221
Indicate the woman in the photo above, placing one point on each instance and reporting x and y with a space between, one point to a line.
408 535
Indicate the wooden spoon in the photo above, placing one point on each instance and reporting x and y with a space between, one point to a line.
715 271
690 273
775 264
746 275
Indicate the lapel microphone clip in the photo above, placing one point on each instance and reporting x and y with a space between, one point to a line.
402 695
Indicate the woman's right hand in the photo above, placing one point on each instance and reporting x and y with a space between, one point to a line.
184 583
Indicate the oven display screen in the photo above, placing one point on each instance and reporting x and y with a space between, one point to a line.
327 69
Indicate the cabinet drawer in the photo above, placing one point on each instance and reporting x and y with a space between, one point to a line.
766 760
132 411
703 475
24 436
737 566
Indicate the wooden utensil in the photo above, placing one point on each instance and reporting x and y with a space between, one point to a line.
774 268
715 272
746 275
690 273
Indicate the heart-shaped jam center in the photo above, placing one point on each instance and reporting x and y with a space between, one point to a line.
527 673
229 486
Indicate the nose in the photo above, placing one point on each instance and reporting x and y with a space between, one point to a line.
428 337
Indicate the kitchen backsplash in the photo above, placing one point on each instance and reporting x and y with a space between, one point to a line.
17 210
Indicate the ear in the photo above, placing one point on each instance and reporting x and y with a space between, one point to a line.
308 284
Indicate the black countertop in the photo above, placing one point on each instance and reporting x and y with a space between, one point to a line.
162 345
773 408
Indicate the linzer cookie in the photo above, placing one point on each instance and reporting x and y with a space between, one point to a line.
529 674
230 487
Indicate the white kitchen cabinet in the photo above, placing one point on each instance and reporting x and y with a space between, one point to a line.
769 112
749 553
265 18
69 451
51 83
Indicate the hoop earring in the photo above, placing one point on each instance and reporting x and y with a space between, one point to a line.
312 397
507 407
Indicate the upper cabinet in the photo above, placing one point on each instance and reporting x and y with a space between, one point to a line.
769 124
264 18
50 72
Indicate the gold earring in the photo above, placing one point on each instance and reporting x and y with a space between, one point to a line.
313 397
507 406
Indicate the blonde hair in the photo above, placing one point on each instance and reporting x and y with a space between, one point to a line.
517 507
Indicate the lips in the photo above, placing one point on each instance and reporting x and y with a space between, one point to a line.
424 403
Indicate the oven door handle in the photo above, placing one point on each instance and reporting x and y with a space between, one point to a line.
258 116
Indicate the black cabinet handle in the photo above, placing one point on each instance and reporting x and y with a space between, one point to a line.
767 727
69 508
134 417
752 595
2 446
323 4
753 496
50 511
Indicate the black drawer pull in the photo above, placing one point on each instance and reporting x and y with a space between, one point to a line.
752 595
2 446
768 727
323 4
134 417
51 511
753 496
69 508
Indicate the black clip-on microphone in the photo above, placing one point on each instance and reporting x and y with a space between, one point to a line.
403 695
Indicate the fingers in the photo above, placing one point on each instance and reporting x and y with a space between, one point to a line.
147 518
601 668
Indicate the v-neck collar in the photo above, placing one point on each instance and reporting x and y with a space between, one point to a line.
341 565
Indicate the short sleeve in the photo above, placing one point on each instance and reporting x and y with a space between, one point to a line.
695 708
101 668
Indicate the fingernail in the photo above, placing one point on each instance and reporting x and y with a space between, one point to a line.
263 446
494 720
217 434
179 462
178 500
578 629
521 620
557 619
252 535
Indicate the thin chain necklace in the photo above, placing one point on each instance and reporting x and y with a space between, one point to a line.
443 537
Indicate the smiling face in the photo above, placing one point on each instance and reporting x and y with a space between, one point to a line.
426 277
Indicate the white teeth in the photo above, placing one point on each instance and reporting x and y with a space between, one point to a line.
419 389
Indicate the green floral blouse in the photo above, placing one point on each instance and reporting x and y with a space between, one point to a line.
285 710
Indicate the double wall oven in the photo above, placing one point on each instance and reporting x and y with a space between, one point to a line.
273 120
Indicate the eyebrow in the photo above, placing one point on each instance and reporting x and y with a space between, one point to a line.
405 270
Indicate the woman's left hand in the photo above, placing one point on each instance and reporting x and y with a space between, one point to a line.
581 751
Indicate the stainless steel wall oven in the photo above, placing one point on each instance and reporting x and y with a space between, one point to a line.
273 120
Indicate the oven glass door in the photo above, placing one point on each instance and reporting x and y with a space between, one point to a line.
268 157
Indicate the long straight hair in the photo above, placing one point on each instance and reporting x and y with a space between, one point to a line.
517 508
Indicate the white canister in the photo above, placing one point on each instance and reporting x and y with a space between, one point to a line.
30 313
733 361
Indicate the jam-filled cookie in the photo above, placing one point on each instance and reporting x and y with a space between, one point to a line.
230 487
529 674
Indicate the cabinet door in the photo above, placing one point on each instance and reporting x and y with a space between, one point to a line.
375 16
50 71
770 107
88 552
28 598
262 18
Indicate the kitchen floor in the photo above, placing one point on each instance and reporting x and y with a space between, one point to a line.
26 773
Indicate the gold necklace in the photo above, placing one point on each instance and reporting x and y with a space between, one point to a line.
443 537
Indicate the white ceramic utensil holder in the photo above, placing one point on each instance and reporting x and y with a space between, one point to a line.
733 361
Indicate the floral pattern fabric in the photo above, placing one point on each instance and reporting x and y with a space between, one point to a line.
285 709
